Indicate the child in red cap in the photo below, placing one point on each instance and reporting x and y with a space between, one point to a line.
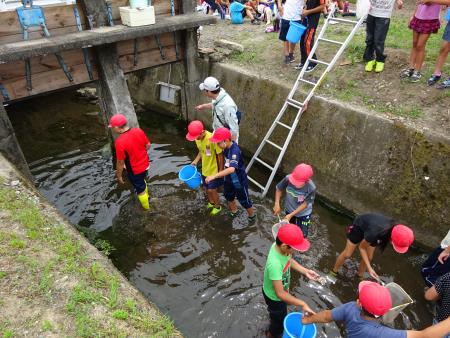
131 151
362 318
212 162
277 275
300 195
236 183
369 231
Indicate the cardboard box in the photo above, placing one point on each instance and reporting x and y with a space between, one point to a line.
138 16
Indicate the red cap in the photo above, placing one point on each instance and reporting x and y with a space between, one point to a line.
292 235
220 134
195 128
117 120
301 174
401 237
374 298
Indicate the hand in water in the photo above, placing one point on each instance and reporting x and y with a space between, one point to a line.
306 310
373 274
311 274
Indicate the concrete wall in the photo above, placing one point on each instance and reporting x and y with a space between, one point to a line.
361 161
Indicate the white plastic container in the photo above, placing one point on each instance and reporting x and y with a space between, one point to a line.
137 16
168 92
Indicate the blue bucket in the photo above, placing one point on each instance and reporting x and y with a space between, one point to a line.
189 175
447 15
236 12
293 327
295 32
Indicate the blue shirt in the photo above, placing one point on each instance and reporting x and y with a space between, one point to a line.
297 196
233 158
358 327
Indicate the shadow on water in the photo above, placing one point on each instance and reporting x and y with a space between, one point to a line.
206 273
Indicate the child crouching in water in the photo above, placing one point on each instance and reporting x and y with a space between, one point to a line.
277 276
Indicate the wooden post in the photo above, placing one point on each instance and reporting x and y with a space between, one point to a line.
9 145
113 88
190 63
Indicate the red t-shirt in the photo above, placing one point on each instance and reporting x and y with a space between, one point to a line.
131 148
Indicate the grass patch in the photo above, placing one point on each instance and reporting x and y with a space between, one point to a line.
104 246
94 305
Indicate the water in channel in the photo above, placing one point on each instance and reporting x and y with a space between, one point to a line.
205 273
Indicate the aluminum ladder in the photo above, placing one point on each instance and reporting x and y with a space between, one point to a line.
301 106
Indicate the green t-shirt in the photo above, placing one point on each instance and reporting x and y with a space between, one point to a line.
209 153
278 267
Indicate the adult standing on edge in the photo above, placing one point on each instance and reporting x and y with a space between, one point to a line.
131 152
224 109
369 231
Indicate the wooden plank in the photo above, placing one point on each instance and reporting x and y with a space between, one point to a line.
16 69
147 59
47 81
56 17
145 44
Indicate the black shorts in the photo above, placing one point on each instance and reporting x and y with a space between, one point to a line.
139 181
212 4
284 27
355 234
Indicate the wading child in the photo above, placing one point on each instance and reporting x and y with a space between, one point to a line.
277 276
362 318
300 194
212 162
369 231
377 26
236 183
424 22
131 151
311 16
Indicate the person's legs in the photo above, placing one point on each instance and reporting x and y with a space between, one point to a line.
442 57
140 186
309 44
230 195
420 51
283 32
268 14
380 33
244 199
362 266
277 312
370 32
347 253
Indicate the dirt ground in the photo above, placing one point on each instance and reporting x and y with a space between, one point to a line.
416 104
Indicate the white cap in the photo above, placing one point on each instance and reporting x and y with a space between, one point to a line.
210 84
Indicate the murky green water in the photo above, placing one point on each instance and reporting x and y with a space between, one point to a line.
205 273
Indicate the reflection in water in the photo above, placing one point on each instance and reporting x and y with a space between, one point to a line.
206 273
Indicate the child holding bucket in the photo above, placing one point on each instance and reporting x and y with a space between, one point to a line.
300 194
212 162
235 177
277 275
290 11
362 318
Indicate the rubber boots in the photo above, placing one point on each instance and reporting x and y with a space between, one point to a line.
143 198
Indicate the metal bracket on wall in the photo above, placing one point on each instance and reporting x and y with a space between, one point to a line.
110 13
33 16
136 52
161 49
87 60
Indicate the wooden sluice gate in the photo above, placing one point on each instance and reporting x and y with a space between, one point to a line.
58 46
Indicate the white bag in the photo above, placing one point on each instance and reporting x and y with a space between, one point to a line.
362 8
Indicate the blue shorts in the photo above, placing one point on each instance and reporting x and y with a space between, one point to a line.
446 35
214 184
303 222
138 181
241 193
284 27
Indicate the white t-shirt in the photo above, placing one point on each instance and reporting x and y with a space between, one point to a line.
381 8
292 10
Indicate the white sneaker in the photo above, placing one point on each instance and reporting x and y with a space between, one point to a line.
216 13
227 16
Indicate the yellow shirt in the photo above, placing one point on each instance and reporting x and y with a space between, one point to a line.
208 152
